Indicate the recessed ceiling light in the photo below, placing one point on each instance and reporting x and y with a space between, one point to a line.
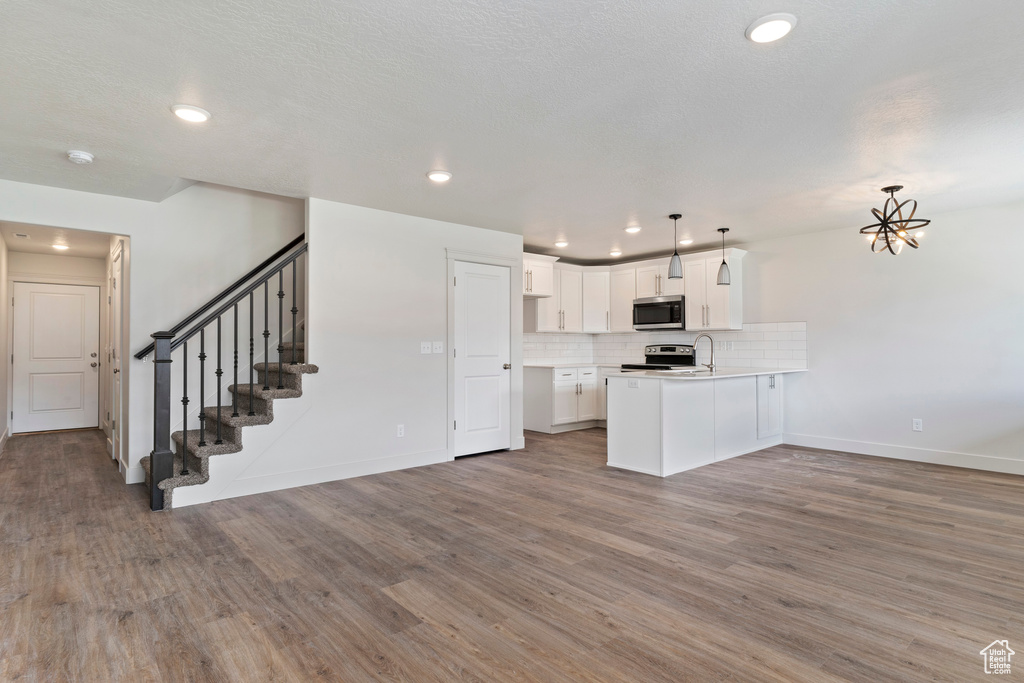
633 228
439 176
61 247
615 252
191 114
77 156
771 28
685 242
561 244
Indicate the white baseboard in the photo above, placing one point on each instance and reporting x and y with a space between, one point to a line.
319 475
133 475
989 463
3 438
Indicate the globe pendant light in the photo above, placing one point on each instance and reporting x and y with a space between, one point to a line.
723 270
675 266
892 230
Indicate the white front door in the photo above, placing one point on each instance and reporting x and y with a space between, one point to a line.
56 357
482 355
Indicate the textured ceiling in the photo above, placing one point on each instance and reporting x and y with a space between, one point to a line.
558 119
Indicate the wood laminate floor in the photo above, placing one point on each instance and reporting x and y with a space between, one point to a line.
539 565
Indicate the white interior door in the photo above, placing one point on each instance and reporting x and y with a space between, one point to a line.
482 356
56 357
116 308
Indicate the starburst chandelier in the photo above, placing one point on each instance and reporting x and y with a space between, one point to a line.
896 226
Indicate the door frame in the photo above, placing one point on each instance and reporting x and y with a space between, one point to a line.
515 266
116 421
42 279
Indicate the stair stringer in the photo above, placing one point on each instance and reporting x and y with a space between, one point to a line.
257 440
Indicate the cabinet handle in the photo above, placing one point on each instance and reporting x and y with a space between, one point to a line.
527 281
531 280
659 284
607 321
709 315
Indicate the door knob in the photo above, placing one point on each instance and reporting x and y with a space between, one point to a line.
507 366
93 364
92 355
116 370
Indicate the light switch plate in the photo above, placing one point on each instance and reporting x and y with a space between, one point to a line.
424 347
438 347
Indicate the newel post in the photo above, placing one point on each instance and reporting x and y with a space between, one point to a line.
161 460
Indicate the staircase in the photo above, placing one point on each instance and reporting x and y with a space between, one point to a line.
261 405
228 335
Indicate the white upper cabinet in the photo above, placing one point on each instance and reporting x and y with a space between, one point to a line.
623 291
709 305
596 301
570 294
538 275
652 280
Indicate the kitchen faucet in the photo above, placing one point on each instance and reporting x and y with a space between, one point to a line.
710 366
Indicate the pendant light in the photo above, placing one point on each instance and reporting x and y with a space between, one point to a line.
723 270
892 230
675 266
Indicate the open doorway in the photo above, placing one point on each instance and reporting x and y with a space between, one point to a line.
66 326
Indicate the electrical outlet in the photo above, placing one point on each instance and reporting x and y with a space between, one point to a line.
401 431
438 347
918 424
424 347
633 383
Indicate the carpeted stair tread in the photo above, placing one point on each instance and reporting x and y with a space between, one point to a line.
259 392
198 473
243 419
287 368
210 448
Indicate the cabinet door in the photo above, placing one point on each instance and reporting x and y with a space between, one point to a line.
602 397
670 287
548 312
696 308
716 297
586 404
596 302
769 405
526 277
563 404
647 281
623 291
542 278
571 300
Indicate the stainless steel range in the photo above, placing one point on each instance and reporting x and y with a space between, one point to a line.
665 357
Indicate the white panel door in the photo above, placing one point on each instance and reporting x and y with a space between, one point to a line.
482 358
56 357
596 302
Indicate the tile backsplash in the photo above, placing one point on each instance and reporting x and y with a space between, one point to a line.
757 345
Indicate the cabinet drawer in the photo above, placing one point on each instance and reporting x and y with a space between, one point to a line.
564 373
586 373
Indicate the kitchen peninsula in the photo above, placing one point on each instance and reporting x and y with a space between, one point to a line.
665 422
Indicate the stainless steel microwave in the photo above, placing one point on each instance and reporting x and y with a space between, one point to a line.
659 313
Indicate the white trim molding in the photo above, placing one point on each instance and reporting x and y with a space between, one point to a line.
989 463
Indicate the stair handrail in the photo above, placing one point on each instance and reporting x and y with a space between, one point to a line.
230 288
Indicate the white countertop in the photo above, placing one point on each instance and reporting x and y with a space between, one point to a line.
719 373
555 366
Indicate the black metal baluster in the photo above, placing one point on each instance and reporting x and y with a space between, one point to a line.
251 358
294 309
280 328
266 333
184 409
202 387
218 373
234 394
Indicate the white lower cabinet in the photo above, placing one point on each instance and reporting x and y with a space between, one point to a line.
561 399
769 406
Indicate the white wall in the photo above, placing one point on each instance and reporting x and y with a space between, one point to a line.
183 250
936 334
378 286
21 263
